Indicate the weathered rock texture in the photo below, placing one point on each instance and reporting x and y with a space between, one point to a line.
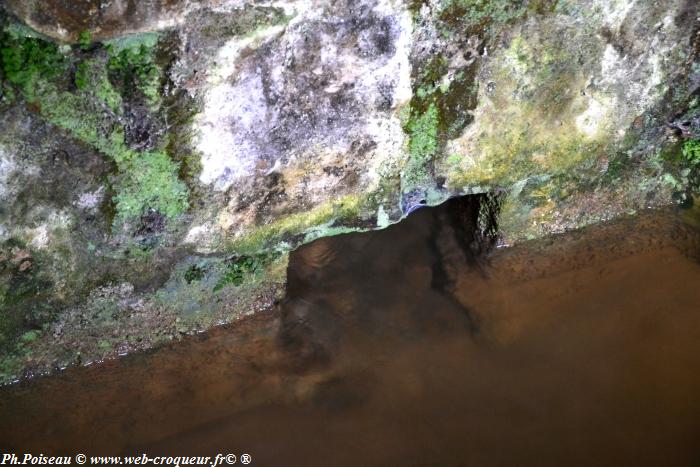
152 183
64 20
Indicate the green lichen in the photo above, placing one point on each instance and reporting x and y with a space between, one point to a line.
444 98
533 122
132 41
546 74
267 237
521 151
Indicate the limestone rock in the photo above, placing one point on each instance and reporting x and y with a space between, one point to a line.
65 20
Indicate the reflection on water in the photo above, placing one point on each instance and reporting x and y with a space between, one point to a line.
402 347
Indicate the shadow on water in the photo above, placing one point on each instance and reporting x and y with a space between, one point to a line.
399 281
415 346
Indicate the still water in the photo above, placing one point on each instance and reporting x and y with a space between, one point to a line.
402 348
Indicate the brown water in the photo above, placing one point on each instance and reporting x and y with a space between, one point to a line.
395 348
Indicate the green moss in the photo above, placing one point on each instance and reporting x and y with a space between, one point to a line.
83 119
691 152
481 11
237 270
135 69
27 62
690 173
85 40
104 345
91 77
422 146
423 133
491 13
194 273
22 288
9 368
444 99
29 337
149 179
26 302
82 76
90 114
192 305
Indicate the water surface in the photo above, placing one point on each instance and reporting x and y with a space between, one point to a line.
401 347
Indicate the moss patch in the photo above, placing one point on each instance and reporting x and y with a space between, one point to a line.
28 62
237 269
134 69
483 11
91 78
691 152
91 112
150 180
422 146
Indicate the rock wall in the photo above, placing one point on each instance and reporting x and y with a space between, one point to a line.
159 159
